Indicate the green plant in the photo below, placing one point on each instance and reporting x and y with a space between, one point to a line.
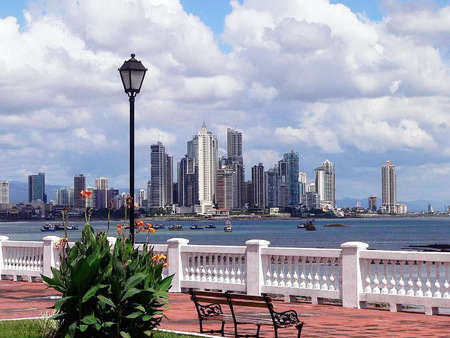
108 294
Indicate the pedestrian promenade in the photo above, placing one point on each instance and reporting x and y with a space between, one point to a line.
28 300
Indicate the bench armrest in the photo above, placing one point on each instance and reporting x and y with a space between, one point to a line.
210 310
285 318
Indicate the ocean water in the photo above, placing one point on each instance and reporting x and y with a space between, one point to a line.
389 233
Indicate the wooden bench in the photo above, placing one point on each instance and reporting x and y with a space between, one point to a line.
209 307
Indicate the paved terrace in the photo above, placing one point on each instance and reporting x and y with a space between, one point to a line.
27 300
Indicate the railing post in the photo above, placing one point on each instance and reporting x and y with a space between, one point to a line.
2 264
49 260
254 262
351 273
111 242
175 261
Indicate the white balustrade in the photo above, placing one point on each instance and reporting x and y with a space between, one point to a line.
352 274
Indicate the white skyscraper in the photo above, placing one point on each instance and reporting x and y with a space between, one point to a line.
4 191
325 184
207 168
389 187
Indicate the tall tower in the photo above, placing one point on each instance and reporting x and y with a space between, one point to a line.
259 195
389 187
4 191
271 188
234 143
225 185
101 192
288 169
36 188
79 184
207 168
161 176
236 162
325 184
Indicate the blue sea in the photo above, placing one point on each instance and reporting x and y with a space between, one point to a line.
387 233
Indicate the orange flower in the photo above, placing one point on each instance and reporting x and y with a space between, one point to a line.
139 223
151 230
149 225
119 228
165 265
85 193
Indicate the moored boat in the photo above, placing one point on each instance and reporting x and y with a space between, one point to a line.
210 226
309 225
196 227
228 227
175 227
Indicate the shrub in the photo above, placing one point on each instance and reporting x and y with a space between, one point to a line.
108 294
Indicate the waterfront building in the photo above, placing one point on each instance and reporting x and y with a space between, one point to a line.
312 200
302 182
226 178
388 188
64 196
89 202
4 191
207 169
372 203
325 184
236 162
288 169
271 188
161 175
248 193
258 186
36 188
142 198
79 184
101 193
187 170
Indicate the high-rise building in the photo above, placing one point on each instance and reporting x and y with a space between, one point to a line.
271 187
4 191
236 162
161 176
259 194
187 182
79 184
36 188
372 203
288 169
207 169
325 184
142 198
388 187
64 196
302 182
101 193
225 186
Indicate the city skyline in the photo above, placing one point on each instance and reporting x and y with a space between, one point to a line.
355 82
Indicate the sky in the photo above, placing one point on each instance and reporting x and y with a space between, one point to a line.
354 82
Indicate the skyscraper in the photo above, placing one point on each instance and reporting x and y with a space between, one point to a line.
225 187
372 203
388 187
187 182
101 193
236 162
207 168
4 191
79 184
36 188
259 195
271 187
161 176
288 169
325 184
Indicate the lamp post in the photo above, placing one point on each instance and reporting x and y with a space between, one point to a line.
132 73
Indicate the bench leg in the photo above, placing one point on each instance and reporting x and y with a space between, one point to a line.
237 335
299 328
221 331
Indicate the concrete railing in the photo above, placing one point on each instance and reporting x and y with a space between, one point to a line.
352 274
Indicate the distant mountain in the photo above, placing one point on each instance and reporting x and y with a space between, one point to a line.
18 191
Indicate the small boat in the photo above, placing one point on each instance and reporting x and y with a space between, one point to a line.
47 228
210 226
57 226
175 227
308 225
196 227
228 227
159 226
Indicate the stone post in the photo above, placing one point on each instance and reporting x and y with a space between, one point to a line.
2 266
352 285
49 259
175 261
255 273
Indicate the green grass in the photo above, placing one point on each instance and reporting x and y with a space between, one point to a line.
32 328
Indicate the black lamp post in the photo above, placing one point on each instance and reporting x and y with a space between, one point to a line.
132 73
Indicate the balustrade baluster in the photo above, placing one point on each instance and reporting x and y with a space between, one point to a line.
428 293
368 288
275 271
310 278
233 269
209 272
410 281
288 273
385 290
221 263
238 271
325 274
437 284
227 270
419 292
393 290
295 276
282 267
303 274
316 274
376 281
332 278
401 282
446 283
202 269
215 272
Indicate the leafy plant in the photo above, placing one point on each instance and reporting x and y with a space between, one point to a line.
109 294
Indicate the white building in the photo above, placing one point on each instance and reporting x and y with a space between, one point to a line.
389 188
208 161
4 191
325 184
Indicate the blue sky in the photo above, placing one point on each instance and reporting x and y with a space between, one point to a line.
354 82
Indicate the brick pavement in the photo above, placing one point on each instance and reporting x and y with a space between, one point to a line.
26 300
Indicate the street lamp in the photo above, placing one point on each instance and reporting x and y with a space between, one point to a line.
132 73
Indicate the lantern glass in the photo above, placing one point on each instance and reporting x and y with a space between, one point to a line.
132 73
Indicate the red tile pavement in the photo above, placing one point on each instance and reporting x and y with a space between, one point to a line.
25 300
